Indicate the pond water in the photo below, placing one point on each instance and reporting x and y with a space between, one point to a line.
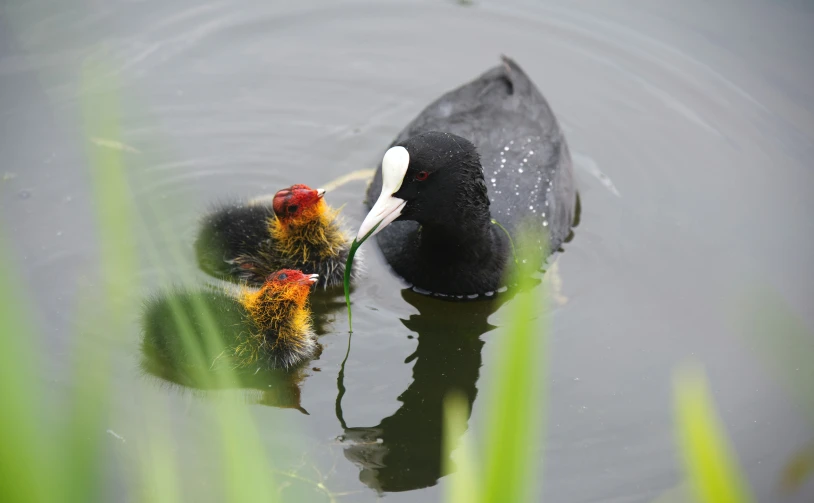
692 129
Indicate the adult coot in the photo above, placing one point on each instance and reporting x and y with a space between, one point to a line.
490 149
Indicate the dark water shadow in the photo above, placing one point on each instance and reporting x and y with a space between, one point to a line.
404 451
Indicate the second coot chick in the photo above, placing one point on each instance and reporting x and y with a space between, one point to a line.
267 328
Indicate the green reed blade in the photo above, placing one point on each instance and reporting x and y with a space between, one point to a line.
463 486
516 393
103 315
346 282
709 462
348 263
27 455
511 241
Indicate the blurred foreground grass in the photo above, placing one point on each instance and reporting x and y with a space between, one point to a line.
506 467
709 462
40 464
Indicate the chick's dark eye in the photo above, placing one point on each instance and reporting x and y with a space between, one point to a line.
421 176
293 208
282 277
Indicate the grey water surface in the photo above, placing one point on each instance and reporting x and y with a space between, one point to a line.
691 125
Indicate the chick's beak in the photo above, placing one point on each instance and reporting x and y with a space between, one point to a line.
320 193
311 279
386 209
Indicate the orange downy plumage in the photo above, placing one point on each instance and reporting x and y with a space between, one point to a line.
315 228
276 307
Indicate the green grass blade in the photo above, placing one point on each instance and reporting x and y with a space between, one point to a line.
516 396
248 474
463 485
106 312
509 236
24 456
348 263
346 281
708 460
159 481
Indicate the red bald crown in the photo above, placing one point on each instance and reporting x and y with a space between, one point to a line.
291 202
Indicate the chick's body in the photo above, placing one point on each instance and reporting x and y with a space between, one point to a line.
269 328
298 231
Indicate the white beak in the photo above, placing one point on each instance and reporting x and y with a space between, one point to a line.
386 209
320 192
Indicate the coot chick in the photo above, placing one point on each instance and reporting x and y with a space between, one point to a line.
297 231
490 149
265 328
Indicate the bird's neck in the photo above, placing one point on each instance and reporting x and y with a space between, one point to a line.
465 231
458 261
317 237
276 308
279 326
460 238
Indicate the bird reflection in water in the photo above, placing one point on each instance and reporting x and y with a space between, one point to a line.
404 451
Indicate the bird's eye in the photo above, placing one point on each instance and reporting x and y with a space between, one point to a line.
293 208
421 176
282 276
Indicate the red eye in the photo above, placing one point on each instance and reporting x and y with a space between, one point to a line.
421 176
